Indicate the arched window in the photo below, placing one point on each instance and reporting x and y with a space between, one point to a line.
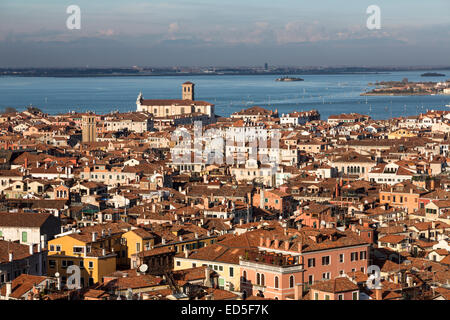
291 281
244 276
262 280
276 282
258 279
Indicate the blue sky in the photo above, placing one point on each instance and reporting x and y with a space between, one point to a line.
232 32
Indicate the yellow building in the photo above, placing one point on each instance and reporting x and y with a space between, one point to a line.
229 273
97 250
137 240
401 133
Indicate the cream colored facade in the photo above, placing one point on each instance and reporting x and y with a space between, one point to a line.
229 274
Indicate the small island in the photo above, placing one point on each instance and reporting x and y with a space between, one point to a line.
432 74
408 88
288 79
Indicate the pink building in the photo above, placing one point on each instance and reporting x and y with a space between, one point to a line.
307 256
270 275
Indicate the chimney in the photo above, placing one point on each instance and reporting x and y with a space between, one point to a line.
261 198
186 253
241 222
276 243
31 246
11 256
205 202
298 293
378 294
432 186
103 252
94 236
103 233
163 240
261 241
109 231
58 282
8 289
196 235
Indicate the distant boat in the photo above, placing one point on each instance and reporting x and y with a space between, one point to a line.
288 79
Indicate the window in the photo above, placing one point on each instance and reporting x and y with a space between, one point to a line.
310 279
326 276
77 249
355 295
341 258
58 248
138 247
231 272
311 262
326 260
64 263
194 265
258 279
362 255
316 296
276 282
178 263
291 281
340 297
327 297
221 283
52 263
24 236
354 256
52 247
91 265
81 264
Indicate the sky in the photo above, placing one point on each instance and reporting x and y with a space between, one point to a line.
119 33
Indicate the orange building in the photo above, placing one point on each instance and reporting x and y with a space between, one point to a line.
276 200
402 195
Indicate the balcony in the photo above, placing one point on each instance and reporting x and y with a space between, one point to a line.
258 287
272 262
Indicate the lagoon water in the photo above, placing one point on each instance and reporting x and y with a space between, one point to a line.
330 94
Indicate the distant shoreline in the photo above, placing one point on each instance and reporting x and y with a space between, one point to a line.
178 74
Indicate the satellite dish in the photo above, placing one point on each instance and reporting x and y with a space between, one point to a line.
143 268
57 274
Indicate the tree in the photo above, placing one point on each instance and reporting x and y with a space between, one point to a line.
9 110
34 110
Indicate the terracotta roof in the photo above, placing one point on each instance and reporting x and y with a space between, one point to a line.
23 219
340 284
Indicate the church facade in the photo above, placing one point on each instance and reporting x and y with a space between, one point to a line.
166 108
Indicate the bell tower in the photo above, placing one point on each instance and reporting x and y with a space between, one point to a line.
187 91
